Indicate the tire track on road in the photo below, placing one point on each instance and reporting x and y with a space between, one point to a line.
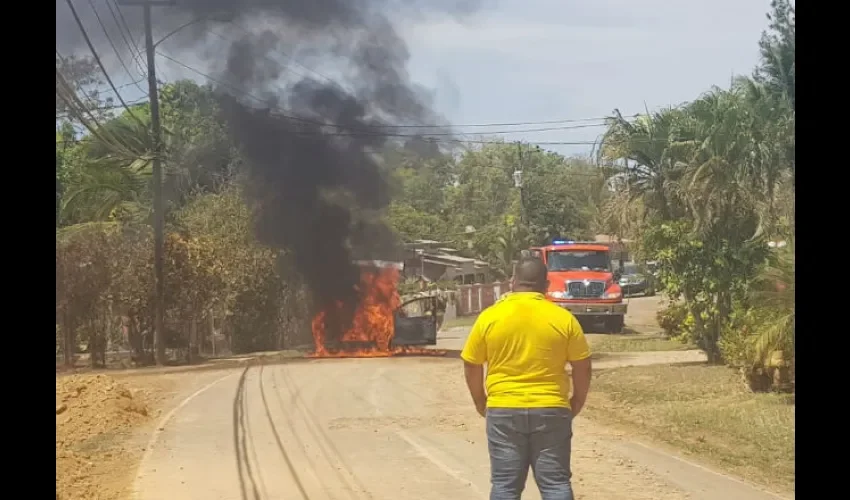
331 453
279 442
239 441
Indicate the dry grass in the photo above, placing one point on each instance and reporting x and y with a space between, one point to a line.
706 411
634 342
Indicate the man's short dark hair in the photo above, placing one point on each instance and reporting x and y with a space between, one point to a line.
531 272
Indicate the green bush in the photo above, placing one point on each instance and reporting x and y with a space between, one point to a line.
736 341
764 367
672 319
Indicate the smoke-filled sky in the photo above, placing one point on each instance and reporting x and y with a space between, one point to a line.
365 64
535 60
308 141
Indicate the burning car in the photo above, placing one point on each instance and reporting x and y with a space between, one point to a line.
382 325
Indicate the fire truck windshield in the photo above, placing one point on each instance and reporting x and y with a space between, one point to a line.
577 260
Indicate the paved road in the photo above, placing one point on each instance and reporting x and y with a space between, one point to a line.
399 428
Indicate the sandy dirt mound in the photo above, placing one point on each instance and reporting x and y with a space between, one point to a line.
93 415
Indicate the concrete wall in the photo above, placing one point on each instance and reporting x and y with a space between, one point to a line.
472 299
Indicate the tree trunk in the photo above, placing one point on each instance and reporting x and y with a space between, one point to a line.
94 343
68 340
724 307
193 339
212 331
135 340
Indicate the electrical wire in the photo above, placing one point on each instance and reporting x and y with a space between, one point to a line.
137 102
131 36
426 137
127 40
97 59
112 44
292 59
337 84
372 134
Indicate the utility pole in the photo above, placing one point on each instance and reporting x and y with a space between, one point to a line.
158 210
518 183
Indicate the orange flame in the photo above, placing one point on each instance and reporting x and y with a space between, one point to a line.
373 326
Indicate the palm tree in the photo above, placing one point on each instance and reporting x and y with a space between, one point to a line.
772 343
504 244
647 144
722 179
111 178
778 52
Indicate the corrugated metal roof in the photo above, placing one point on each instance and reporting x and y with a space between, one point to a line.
447 258
383 264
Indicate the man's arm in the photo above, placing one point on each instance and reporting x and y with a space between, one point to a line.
474 355
578 355
582 371
474 375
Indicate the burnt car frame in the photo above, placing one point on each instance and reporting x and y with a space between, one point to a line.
416 330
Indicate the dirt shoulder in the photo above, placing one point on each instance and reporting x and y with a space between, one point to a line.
95 417
103 423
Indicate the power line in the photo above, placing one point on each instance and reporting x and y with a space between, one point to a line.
97 58
292 59
365 125
131 36
137 102
362 134
112 44
430 137
115 12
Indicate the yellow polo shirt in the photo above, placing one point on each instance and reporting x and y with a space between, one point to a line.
526 342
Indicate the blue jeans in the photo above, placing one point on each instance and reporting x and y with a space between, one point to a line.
535 437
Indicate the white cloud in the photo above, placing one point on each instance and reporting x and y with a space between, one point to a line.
551 59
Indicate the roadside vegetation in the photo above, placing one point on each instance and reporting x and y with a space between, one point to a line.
708 192
705 411
707 188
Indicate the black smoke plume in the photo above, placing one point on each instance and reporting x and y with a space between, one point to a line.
309 141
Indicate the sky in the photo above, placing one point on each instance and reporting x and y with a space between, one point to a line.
543 60
539 60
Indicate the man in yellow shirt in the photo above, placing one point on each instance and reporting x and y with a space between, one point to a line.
526 342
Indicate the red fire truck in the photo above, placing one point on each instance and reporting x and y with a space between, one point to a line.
583 280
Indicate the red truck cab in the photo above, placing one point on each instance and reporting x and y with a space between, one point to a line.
582 280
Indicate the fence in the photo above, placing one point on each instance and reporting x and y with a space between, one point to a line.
472 299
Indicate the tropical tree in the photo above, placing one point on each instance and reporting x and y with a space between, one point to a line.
110 175
647 146
778 70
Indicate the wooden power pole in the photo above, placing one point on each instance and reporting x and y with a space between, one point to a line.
158 209
518 182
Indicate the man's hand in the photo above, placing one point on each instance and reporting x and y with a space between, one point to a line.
576 406
582 371
482 408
